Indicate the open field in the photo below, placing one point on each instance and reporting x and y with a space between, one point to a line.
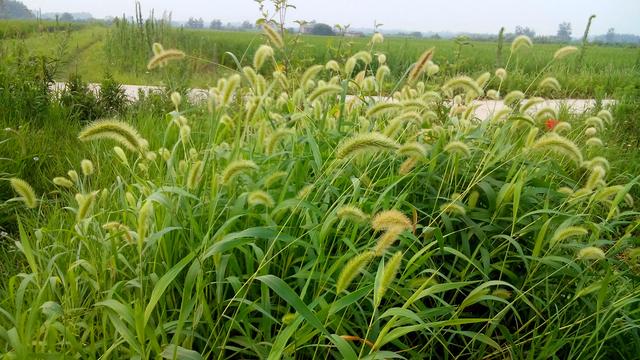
124 48
297 214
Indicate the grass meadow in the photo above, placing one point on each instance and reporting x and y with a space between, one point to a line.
282 218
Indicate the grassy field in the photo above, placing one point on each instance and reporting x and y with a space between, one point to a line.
122 50
279 220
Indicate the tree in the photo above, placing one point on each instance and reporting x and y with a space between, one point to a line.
564 31
66 17
215 24
194 23
321 29
14 10
525 31
246 25
611 36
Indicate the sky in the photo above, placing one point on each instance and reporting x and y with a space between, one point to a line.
478 16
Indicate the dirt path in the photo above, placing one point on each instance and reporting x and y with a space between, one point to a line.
485 109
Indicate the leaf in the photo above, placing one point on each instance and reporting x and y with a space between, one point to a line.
284 291
179 353
162 285
346 351
233 240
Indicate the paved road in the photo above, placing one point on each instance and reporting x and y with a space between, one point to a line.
486 108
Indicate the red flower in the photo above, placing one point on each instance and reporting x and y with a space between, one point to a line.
551 123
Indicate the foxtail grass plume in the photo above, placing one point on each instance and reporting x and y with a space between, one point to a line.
531 103
389 273
352 269
562 126
63 182
521 41
597 161
162 59
383 71
273 36
483 78
276 138
594 142
472 201
363 56
85 205
116 228
595 121
262 54
591 131
560 145
389 219
157 48
365 142
408 165
145 217
606 116
564 52
501 74
87 167
464 83
274 178
597 174
386 240
493 94
304 193
513 97
550 83
546 113
567 232
195 174
119 131
377 38
591 253
332 65
458 147
236 168
73 175
176 99
352 213
27 195
382 108
310 74
413 149
420 65
432 68
453 208
260 197
382 59
324 91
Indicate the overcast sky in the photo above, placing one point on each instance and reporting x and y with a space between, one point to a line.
421 15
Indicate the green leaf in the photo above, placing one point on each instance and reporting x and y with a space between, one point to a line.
162 285
284 291
179 353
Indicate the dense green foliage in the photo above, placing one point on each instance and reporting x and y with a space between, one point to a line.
284 218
